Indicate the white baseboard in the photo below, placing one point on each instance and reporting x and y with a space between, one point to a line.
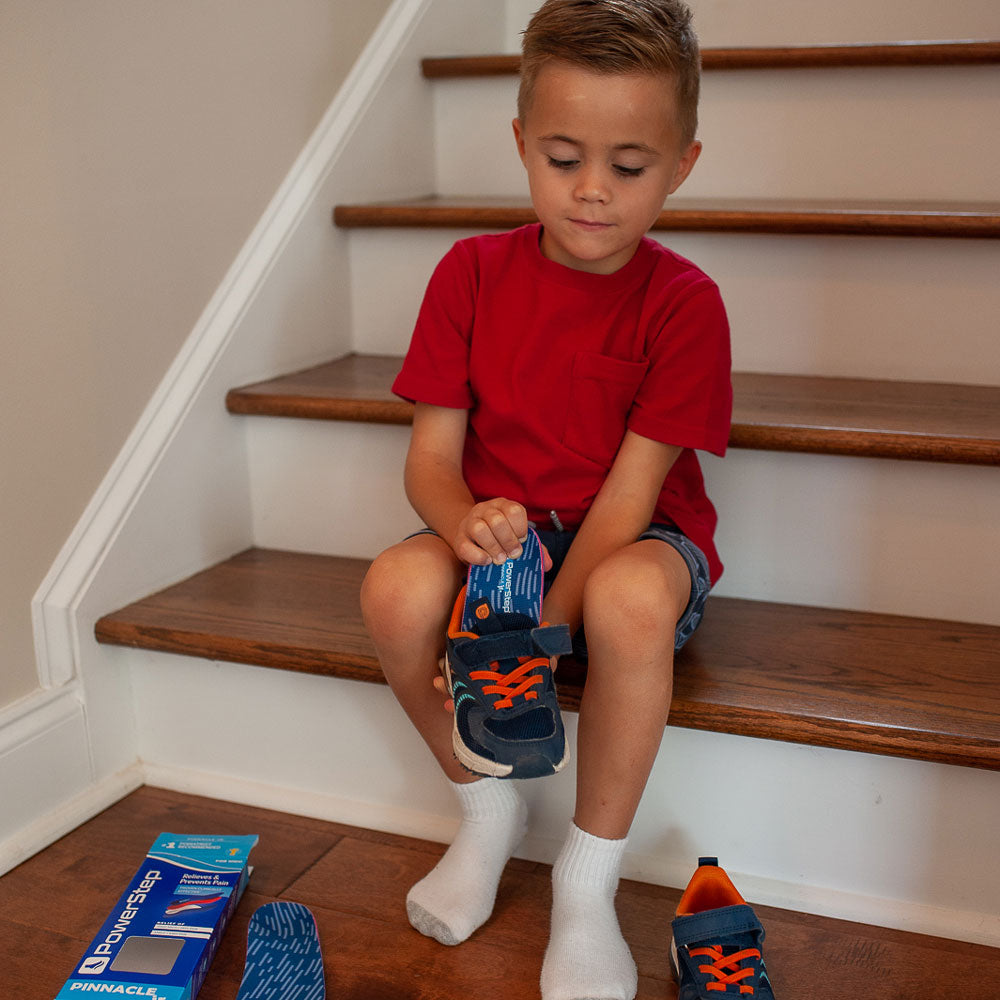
903 915
302 802
68 816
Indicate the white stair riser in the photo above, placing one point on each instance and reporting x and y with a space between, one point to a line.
910 309
364 764
328 487
833 133
908 538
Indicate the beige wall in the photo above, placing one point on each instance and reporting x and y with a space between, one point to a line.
141 141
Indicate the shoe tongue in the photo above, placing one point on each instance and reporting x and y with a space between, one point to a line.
481 619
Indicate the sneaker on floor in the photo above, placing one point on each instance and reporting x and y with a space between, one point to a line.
507 721
715 951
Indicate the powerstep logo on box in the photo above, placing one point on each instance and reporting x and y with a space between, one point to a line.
93 966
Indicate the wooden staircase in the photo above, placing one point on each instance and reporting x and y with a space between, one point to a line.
910 687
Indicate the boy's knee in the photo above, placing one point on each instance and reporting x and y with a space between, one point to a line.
629 591
406 589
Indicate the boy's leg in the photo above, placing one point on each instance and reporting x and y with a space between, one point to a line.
632 603
407 598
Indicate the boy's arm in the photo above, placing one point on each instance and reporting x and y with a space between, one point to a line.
621 511
479 533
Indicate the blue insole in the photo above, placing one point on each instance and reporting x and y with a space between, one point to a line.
515 587
284 961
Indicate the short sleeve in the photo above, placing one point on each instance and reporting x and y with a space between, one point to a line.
436 367
686 397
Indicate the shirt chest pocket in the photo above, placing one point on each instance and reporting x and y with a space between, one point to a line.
601 392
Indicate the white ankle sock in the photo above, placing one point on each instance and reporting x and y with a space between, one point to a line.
458 895
587 957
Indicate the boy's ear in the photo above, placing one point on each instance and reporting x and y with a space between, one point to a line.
519 137
685 165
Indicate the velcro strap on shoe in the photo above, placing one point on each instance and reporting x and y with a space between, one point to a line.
713 925
546 640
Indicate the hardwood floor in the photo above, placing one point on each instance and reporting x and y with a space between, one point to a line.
355 882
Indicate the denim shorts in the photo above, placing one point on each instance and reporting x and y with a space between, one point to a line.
558 542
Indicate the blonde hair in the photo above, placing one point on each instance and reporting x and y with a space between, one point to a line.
616 36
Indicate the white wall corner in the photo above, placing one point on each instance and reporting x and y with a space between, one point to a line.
239 331
177 497
207 352
46 734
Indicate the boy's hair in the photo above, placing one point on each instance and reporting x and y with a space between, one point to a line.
616 36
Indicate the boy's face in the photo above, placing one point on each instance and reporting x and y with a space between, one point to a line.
602 152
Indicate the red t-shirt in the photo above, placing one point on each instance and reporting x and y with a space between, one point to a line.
555 364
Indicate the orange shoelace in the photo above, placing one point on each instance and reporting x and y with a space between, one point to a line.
726 968
512 685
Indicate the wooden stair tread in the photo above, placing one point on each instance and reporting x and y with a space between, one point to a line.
928 421
354 387
959 52
909 687
968 220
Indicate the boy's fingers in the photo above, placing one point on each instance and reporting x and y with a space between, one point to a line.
509 525
471 554
517 518
493 532
439 686
484 532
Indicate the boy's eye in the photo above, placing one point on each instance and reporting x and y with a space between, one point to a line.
619 169
629 171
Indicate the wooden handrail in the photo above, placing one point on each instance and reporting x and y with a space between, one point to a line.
964 220
909 53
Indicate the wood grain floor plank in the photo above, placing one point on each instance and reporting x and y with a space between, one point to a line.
293 843
35 961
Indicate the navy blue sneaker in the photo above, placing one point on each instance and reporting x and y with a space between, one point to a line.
716 946
507 720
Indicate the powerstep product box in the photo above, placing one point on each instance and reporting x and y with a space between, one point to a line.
164 931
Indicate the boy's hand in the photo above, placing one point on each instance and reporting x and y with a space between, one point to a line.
492 532
441 688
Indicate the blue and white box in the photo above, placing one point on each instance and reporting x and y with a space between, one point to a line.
164 931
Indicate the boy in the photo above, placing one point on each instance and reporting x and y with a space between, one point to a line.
565 371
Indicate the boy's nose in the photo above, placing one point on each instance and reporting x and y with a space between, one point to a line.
591 186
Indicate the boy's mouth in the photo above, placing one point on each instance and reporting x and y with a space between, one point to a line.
590 225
